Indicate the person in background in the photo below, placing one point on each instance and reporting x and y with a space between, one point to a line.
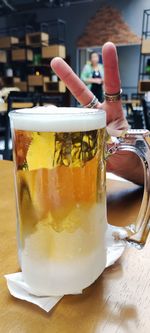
92 75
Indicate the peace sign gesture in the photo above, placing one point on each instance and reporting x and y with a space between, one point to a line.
120 163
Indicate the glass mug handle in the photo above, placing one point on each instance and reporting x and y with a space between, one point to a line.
138 142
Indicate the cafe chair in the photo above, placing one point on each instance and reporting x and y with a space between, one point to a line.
135 117
57 100
124 97
136 96
146 111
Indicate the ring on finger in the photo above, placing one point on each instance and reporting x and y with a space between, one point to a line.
92 104
113 97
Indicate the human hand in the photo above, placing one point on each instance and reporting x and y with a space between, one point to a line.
119 163
115 117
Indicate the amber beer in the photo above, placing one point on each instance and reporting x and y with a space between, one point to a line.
60 190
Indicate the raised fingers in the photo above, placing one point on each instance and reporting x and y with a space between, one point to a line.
111 70
72 81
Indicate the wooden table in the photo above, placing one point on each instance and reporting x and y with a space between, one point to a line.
118 302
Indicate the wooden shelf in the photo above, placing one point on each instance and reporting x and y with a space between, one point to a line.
7 42
16 79
22 85
35 77
37 80
144 86
3 56
55 87
37 39
8 80
22 55
145 46
52 51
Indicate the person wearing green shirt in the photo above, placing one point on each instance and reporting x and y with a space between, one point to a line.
92 75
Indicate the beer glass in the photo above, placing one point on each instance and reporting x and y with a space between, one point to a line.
60 180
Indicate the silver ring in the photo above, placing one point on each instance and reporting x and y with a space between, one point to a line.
93 103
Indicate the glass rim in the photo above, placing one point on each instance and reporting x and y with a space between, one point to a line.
59 119
55 111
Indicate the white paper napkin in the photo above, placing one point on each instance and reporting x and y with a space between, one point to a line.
19 289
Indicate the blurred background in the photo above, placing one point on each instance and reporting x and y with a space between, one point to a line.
32 32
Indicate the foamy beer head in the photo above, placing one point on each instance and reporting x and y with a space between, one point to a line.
60 193
58 119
